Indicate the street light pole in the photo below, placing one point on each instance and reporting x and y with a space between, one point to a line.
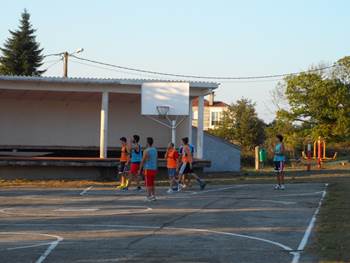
65 56
65 64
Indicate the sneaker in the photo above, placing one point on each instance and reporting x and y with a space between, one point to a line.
282 187
153 198
170 191
148 199
125 189
202 186
277 187
138 189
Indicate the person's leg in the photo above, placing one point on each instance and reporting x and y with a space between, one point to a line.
174 184
182 175
282 175
147 185
138 180
134 174
170 178
120 174
277 186
152 177
199 180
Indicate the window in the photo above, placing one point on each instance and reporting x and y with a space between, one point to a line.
195 115
215 118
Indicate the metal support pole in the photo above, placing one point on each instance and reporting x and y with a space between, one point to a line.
200 133
65 64
308 157
190 122
319 153
257 162
173 132
104 125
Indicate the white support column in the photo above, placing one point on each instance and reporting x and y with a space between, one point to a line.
200 125
190 122
104 125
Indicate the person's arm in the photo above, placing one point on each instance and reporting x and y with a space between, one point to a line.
189 155
166 154
282 149
137 148
144 158
127 154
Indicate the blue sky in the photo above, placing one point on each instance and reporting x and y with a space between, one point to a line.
234 38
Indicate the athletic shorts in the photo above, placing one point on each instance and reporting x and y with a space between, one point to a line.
172 172
279 166
123 168
134 168
149 177
185 169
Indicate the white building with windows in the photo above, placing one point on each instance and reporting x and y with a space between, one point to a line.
213 112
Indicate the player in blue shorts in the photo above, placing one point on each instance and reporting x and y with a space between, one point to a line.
279 160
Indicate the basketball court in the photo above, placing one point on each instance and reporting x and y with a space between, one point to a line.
232 223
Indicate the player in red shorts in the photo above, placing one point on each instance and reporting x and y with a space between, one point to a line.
150 165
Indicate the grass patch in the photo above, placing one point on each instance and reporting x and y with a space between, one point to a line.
332 239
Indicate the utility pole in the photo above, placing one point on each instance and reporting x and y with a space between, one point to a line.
65 56
65 64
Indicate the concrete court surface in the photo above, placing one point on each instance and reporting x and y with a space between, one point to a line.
232 223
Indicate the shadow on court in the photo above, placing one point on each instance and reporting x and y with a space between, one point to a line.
238 223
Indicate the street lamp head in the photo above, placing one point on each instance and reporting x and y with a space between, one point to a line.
79 50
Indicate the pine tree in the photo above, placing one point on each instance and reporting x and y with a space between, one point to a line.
21 54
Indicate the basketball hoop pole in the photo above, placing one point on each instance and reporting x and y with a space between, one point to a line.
173 132
173 124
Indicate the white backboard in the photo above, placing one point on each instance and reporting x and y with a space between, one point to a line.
175 95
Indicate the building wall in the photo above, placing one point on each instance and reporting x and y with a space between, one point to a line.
55 122
207 116
224 156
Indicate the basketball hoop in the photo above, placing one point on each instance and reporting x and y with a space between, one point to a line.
164 102
163 111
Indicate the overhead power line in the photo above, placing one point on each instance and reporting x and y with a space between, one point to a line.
54 62
200 77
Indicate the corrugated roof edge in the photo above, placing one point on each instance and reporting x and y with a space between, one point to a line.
125 81
236 146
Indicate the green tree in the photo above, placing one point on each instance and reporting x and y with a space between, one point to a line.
320 103
291 133
241 125
21 54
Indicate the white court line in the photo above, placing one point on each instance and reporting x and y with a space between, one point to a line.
7 211
187 194
274 201
305 239
76 209
218 189
280 245
47 252
303 194
30 246
86 190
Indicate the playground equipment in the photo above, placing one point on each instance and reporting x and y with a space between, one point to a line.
319 153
